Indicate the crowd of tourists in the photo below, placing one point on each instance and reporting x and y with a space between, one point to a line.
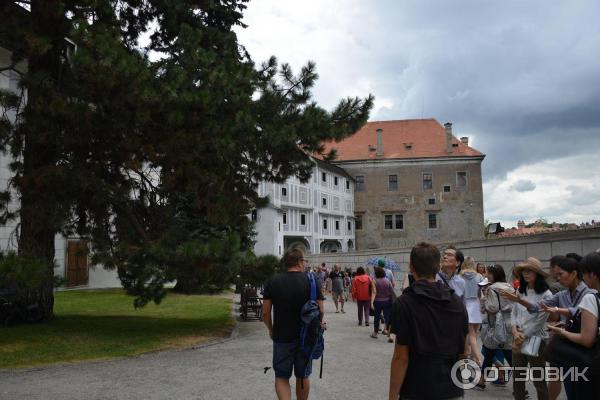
452 309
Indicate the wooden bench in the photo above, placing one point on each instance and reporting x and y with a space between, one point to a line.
250 304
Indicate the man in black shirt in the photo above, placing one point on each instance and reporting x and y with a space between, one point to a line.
286 293
337 287
430 323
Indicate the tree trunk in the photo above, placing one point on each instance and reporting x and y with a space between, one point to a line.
40 205
187 284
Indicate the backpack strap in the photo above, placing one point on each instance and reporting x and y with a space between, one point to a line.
499 307
313 286
444 279
579 297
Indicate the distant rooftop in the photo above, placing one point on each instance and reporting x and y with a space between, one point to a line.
401 139
538 227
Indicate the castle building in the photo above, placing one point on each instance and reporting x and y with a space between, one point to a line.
413 181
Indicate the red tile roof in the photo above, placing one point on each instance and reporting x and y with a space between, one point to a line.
426 137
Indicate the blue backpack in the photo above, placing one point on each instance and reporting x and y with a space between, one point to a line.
312 343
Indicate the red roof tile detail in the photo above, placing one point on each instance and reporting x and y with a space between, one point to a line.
412 138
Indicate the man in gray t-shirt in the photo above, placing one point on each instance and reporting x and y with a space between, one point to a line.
337 287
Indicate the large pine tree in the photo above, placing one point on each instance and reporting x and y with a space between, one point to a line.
155 161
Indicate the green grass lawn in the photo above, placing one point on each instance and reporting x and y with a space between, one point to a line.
102 324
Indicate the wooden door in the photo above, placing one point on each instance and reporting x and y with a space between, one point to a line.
77 263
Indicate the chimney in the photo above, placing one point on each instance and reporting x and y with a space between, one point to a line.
521 224
379 152
448 128
465 140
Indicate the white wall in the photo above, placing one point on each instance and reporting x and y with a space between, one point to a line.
268 237
8 239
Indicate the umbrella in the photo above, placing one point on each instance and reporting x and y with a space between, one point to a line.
389 263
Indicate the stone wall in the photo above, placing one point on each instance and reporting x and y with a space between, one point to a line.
459 210
506 251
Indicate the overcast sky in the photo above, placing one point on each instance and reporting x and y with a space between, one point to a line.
520 78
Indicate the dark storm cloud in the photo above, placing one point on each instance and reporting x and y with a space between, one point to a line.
522 77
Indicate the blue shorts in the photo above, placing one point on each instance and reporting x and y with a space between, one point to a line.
288 356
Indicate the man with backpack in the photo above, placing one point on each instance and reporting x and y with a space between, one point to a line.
431 324
287 294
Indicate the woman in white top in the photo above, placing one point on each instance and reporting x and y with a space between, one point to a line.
590 266
525 325
471 300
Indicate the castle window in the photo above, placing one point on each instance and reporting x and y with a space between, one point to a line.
427 181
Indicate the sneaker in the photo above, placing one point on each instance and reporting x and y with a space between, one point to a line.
360 324
367 324
343 312
337 312
390 340
374 335
479 386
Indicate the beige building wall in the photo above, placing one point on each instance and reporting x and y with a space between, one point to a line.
456 203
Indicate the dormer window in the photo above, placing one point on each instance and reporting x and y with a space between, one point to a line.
454 144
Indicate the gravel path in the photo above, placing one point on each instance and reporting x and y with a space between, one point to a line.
355 367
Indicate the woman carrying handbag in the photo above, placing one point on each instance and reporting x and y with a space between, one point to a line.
577 345
382 304
497 340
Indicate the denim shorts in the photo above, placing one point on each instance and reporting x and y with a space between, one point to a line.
288 356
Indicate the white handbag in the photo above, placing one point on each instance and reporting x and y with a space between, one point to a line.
531 346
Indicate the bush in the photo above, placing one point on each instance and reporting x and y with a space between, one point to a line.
256 270
25 273
25 289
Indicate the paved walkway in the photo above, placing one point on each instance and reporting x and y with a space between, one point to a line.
355 367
